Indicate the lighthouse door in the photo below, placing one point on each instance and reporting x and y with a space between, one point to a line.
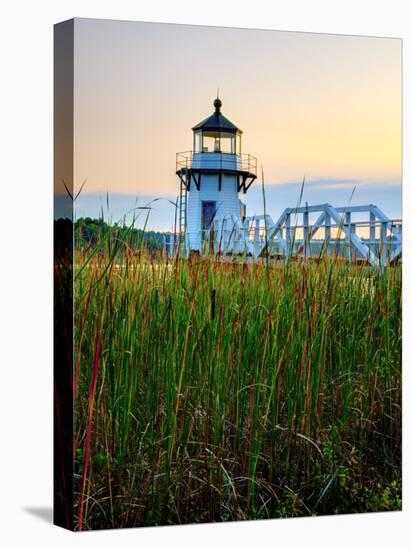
208 213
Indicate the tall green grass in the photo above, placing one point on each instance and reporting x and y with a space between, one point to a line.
211 391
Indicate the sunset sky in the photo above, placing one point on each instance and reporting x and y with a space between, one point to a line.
324 106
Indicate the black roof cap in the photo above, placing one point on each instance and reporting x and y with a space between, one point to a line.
217 121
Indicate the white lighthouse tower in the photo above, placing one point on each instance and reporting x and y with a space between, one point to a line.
212 176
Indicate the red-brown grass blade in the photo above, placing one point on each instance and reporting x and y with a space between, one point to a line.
92 393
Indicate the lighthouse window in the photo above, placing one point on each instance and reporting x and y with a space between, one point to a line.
217 142
238 146
211 142
227 142
198 142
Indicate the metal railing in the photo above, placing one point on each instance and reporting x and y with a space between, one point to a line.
380 231
216 160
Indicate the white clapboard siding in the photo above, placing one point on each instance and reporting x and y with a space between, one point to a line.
227 203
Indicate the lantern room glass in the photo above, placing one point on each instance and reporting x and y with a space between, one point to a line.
214 141
198 141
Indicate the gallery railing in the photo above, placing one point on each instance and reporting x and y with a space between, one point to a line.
216 160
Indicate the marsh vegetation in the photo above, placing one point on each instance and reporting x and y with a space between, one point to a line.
213 391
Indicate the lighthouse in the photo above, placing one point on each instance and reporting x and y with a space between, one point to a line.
213 176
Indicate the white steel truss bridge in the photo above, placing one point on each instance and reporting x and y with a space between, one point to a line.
358 233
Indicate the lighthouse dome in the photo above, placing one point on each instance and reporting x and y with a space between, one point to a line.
217 121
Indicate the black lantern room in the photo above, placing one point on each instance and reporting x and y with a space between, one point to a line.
216 134
217 150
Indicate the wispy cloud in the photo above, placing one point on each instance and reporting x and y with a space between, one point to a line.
341 183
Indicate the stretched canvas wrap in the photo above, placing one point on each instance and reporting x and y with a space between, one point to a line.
228 251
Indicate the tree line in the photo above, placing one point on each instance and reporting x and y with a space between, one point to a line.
91 232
